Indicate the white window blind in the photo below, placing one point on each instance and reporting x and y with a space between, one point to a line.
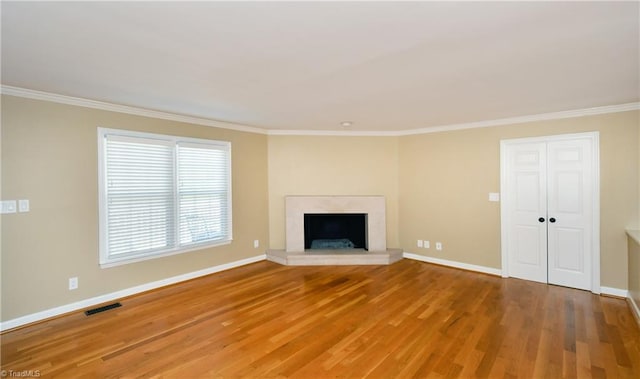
140 200
202 191
161 195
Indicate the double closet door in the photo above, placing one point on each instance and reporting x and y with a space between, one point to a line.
549 210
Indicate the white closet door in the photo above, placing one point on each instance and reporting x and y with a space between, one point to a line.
527 209
550 210
569 177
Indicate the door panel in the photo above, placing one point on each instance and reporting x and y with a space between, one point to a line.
527 237
569 176
571 197
527 191
568 240
528 246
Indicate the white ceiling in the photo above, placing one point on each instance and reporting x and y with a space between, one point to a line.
310 65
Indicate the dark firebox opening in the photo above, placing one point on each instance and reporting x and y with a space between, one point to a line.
335 231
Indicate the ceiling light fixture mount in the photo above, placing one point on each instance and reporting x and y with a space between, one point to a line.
346 124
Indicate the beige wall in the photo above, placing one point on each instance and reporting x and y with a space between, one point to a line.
313 165
49 156
445 179
436 187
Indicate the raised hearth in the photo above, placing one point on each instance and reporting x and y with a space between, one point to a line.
334 258
371 208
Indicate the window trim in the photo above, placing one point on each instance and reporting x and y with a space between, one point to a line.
104 260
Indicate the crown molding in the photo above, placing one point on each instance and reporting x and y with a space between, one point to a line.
524 119
69 100
342 133
469 125
94 104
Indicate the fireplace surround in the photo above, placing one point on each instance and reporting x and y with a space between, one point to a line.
372 206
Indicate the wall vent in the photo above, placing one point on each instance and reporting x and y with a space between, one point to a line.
102 309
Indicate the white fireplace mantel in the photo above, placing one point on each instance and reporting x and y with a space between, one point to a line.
372 206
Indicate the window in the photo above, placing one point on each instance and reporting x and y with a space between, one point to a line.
161 195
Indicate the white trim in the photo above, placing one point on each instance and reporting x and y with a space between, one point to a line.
549 138
469 125
504 215
81 102
523 119
595 222
635 309
42 315
454 264
595 254
105 106
345 133
174 142
614 292
494 271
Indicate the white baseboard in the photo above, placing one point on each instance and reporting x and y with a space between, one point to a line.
494 271
634 308
42 315
614 291
444 262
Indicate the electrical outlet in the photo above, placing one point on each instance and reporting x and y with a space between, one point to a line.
73 283
23 205
256 244
419 243
438 245
427 244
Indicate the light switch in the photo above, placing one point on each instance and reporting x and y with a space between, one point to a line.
23 205
494 196
8 206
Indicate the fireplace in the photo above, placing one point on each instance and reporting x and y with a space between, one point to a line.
335 216
335 231
372 208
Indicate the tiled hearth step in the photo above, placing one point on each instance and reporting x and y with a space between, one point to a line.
335 257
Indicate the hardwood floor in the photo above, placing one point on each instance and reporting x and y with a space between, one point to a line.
410 319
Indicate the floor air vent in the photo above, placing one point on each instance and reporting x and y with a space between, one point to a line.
102 309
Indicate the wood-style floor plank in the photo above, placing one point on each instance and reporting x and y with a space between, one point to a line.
407 320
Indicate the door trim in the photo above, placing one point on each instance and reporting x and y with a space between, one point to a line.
594 137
